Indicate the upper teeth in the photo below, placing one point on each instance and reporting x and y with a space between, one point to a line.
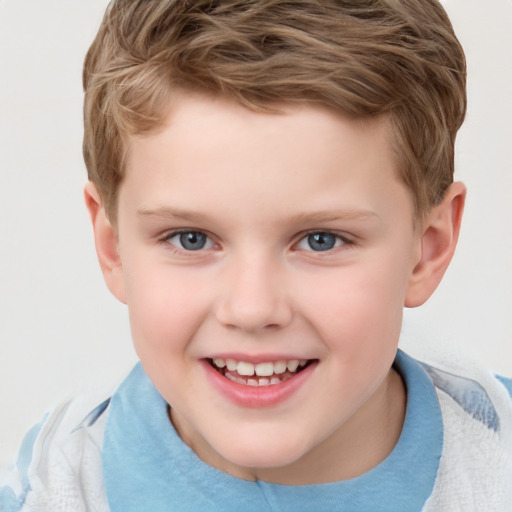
260 369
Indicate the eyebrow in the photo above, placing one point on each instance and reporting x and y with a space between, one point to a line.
166 212
331 216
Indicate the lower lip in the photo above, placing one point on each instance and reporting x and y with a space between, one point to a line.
257 396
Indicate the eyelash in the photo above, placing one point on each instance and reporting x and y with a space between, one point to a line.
345 241
168 236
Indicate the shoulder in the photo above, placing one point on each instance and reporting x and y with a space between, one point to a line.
476 390
479 393
55 458
476 462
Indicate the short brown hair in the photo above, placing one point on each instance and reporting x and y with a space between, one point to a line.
363 58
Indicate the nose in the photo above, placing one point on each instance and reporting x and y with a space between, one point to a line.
255 298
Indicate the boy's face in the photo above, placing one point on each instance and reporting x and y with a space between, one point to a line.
254 238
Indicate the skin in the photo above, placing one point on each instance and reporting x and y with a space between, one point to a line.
256 184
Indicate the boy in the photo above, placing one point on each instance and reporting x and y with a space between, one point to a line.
270 184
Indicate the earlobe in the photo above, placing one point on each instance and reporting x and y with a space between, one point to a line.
106 242
440 233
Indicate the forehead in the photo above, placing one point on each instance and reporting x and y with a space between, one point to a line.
188 111
206 122
211 149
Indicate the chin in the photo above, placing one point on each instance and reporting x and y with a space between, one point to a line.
262 455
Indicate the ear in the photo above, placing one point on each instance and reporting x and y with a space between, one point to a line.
107 247
440 233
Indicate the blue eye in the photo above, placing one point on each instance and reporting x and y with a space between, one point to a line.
190 240
321 241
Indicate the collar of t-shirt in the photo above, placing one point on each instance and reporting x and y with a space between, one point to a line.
147 466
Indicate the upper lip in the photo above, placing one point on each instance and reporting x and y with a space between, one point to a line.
258 358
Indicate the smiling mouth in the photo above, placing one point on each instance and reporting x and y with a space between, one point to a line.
260 374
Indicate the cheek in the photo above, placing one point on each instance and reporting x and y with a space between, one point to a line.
359 308
359 323
166 306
